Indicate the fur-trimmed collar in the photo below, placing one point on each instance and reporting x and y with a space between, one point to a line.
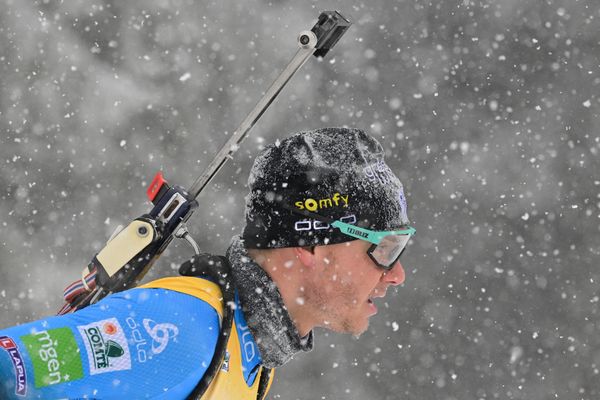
266 314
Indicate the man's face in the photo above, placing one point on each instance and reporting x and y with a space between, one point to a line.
346 282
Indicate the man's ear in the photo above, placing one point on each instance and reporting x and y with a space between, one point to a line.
306 256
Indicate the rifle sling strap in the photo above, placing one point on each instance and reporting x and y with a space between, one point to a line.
217 269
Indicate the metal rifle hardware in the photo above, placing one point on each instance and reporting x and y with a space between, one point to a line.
130 253
318 41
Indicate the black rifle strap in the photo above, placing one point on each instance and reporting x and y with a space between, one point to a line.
216 269
263 384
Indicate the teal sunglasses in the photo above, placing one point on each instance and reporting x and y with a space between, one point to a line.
386 246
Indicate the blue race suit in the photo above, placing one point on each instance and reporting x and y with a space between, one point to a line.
150 342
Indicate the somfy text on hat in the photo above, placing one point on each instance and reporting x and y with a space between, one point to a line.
338 173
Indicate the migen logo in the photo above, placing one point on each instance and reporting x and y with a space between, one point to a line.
314 205
55 356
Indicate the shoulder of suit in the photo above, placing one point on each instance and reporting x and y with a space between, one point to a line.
200 288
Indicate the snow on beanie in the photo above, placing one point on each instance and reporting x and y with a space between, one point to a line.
338 173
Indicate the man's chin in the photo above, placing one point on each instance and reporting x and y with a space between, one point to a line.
358 329
355 326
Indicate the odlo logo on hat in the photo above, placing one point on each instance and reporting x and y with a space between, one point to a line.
314 205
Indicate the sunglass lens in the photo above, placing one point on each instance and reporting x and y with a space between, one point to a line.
389 249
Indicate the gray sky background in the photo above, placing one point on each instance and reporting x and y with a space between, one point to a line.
489 111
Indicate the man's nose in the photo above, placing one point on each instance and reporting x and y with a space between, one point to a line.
395 276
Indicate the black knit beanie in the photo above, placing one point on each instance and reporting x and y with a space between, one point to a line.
338 173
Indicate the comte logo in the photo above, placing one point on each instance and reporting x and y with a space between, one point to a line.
110 328
106 346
